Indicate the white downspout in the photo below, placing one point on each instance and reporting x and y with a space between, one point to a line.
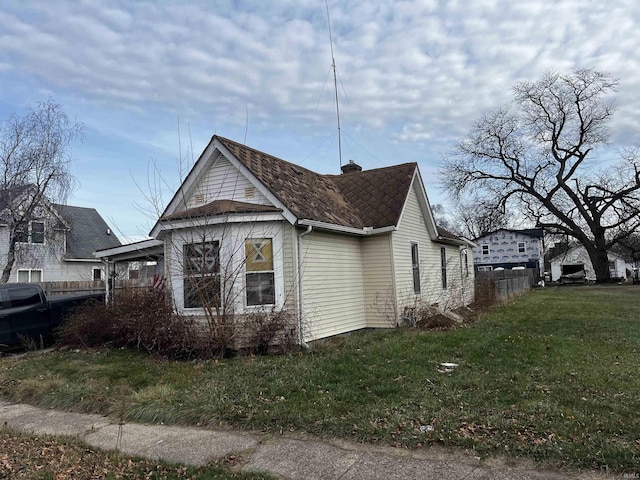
303 344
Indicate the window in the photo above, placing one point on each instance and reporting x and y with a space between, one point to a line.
37 232
260 285
29 276
443 266
33 232
97 274
201 275
485 249
522 247
485 268
415 267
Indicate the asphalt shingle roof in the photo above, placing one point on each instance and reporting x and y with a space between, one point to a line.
371 198
88 231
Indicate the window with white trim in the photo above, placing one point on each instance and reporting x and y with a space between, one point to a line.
259 272
485 268
415 268
29 275
485 249
464 262
522 247
201 270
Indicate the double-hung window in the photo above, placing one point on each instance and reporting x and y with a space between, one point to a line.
202 275
522 247
260 275
485 249
415 268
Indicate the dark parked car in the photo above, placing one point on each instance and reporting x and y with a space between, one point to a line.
25 311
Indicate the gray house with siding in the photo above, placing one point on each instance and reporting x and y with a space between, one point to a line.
342 252
508 248
56 243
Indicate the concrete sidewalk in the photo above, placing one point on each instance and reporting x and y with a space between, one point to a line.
287 457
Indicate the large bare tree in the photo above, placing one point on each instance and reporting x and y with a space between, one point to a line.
540 157
34 169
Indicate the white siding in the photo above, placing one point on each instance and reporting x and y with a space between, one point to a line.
332 285
379 289
224 182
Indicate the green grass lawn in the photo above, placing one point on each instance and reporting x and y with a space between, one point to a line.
552 376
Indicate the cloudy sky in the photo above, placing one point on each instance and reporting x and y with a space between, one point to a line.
150 79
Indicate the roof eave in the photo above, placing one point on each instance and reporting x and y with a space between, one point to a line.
364 231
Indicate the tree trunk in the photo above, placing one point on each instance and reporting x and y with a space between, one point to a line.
599 259
11 258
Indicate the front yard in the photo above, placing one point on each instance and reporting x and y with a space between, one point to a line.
553 376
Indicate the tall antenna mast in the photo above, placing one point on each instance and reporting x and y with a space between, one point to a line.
335 84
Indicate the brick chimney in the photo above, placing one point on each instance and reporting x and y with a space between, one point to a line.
351 167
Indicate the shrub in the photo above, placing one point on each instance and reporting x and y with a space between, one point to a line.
142 320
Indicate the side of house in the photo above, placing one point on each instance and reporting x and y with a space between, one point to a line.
507 248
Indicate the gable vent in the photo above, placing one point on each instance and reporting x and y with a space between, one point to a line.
198 198
249 192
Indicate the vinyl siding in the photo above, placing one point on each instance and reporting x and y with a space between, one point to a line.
379 291
224 182
289 256
413 229
333 285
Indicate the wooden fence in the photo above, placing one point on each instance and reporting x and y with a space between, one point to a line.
122 287
500 285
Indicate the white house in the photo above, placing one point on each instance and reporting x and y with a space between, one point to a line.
343 252
56 244
577 256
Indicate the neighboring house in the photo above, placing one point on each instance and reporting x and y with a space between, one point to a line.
57 244
507 248
577 256
342 252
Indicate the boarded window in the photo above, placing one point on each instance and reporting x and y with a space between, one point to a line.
260 275
201 269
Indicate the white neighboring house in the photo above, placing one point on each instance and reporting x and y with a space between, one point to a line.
57 244
577 256
342 252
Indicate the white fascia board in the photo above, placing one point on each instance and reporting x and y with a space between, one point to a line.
288 215
137 247
209 221
366 231
424 203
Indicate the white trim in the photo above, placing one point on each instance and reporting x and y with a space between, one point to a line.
29 270
166 225
366 231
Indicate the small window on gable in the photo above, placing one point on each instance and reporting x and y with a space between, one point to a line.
522 247
260 275
485 249
415 268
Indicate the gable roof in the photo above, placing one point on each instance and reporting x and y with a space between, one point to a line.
355 202
88 231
